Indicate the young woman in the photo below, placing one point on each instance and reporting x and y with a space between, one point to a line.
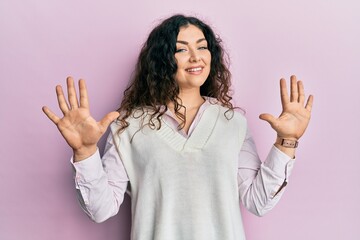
176 145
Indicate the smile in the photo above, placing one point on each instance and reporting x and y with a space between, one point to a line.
196 69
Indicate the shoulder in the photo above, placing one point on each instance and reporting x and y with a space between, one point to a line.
138 115
230 122
227 114
139 118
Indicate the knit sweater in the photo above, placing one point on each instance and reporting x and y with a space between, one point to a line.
183 188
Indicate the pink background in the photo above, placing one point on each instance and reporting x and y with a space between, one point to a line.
42 42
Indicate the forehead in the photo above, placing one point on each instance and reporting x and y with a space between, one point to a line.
190 33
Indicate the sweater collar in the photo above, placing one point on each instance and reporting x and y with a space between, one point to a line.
201 133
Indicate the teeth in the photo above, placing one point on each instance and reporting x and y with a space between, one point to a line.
194 69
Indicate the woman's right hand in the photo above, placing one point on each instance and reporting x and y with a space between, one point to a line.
80 130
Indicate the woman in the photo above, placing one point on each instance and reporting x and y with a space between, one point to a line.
178 147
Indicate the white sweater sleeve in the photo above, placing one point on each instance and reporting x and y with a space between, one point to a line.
101 183
262 184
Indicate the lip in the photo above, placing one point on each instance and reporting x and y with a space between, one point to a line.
196 70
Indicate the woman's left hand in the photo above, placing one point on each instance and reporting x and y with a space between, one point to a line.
295 117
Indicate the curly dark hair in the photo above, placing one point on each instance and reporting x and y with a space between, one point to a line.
153 85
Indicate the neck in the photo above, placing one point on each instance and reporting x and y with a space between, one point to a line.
190 99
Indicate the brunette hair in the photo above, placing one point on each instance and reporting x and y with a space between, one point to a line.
153 85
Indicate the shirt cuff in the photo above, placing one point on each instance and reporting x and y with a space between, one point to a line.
279 162
88 169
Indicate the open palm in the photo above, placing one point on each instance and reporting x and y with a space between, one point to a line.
79 129
295 117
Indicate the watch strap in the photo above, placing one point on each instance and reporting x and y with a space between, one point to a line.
288 143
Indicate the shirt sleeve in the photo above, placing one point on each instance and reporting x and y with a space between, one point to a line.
101 183
261 184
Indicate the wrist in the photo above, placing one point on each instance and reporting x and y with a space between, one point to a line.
286 142
84 152
290 151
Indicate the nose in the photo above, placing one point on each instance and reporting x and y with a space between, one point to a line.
194 56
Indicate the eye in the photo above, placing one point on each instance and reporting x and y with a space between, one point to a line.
180 50
203 48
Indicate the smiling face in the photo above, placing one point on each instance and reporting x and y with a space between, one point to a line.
192 57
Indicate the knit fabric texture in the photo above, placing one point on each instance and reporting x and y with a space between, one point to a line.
184 188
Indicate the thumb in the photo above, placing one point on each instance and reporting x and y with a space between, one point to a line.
268 118
105 122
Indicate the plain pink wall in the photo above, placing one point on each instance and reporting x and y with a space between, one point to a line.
42 42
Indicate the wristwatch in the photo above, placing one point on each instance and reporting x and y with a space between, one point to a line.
288 143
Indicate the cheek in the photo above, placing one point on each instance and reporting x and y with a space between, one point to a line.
180 60
207 57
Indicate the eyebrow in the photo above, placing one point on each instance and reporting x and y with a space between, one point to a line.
186 43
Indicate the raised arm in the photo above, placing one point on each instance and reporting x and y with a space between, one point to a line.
80 130
261 184
295 117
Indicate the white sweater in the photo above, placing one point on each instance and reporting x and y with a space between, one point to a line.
184 188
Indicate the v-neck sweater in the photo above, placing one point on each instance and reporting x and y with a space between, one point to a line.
183 187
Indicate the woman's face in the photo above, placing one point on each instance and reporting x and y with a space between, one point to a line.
193 58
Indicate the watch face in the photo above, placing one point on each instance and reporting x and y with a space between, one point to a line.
289 143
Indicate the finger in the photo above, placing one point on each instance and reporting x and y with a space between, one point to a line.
293 89
72 93
301 93
268 118
105 122
52 116
61 99
84 101
309 103
283 92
